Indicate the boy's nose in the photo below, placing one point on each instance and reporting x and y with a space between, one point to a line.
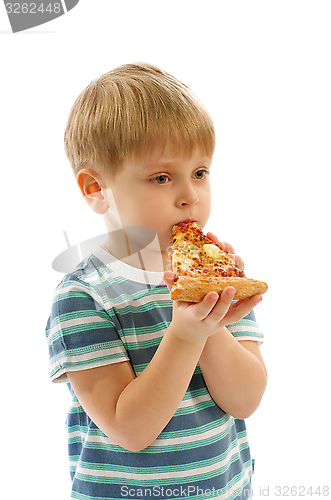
187 196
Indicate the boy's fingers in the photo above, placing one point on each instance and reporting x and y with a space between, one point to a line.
168 277
224 303
211 305
224 245
238 260
203 308
227 247
255 299
242 308
217 242
213 238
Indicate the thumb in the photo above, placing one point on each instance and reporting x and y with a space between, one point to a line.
169 277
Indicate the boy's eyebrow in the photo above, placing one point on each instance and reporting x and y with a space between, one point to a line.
161 164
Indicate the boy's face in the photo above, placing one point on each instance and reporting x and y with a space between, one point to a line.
160 191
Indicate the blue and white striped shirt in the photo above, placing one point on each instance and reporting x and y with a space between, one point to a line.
108 312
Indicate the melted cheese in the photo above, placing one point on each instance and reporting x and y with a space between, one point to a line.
193 254
212 250
184 255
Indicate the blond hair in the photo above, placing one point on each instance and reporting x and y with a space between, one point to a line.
130 110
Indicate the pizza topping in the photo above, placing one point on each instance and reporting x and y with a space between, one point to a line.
200 266
193 254
212 250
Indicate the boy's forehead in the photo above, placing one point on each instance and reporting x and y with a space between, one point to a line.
170 155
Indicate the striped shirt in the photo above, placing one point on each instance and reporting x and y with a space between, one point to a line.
108 312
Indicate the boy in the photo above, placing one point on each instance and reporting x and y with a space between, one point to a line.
159 388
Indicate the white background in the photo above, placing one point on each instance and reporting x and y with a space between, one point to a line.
262 68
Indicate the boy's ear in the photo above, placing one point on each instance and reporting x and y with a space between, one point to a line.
90 184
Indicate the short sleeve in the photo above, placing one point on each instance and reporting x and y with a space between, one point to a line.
247 329
80 333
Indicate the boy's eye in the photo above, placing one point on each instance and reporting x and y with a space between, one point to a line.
200 174
161 179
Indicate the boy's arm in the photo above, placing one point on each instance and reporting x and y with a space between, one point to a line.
133 411
130 410
234 373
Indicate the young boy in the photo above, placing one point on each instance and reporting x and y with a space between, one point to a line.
159 388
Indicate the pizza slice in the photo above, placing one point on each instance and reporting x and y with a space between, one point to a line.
201 266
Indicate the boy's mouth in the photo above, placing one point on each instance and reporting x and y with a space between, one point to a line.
186 222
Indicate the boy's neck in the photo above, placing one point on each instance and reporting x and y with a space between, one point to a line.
135 253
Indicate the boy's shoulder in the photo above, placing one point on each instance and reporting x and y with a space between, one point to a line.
85 273
88 278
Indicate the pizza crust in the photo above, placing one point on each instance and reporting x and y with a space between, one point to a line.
191 289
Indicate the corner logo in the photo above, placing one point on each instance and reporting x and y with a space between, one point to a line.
25 15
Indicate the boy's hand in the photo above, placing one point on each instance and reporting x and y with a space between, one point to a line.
226 247
194 323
